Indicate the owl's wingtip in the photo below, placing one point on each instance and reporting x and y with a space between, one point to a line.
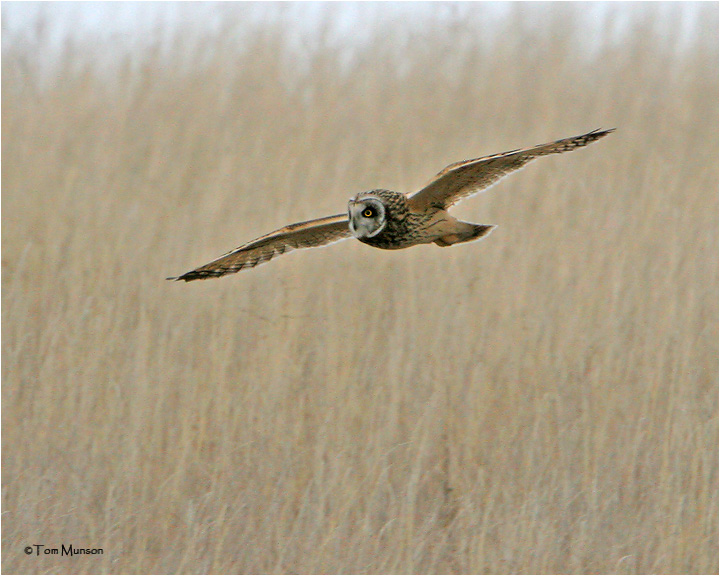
192 275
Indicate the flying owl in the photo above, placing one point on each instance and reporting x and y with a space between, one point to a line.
391 220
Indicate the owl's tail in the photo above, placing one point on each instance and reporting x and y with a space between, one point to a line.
464 232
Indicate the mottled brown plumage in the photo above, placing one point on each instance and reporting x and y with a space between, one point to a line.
301 235
403 227
390 220
472 176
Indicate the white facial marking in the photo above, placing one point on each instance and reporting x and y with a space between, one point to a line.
366 216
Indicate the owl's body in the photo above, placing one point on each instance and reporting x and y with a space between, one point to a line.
405 227
391 220
402 228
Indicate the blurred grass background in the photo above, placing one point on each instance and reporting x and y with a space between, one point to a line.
544 401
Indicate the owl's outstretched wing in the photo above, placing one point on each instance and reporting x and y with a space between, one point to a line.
472 176
308 234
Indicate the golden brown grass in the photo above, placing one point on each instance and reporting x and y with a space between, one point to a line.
544 401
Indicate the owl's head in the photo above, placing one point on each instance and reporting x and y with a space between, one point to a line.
367 215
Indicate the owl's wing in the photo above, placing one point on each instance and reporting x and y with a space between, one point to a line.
308 234
472 176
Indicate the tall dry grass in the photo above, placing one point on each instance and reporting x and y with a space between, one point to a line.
544 401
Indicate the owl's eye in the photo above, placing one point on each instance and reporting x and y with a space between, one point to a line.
368 213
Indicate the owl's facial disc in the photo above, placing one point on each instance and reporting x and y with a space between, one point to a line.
366 216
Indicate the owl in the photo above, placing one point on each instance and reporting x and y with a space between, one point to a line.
391 220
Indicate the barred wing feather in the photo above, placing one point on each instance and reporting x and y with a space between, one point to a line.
466 178
308 234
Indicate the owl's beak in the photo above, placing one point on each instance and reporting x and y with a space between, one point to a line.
352 209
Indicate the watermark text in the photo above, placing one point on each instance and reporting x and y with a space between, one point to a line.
63 550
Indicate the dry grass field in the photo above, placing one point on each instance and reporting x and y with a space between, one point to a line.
543 401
